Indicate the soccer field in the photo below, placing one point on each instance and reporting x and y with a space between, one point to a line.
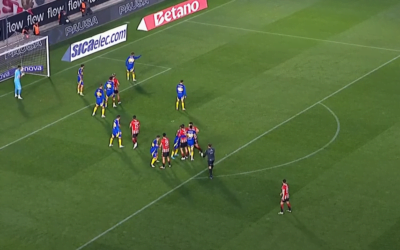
305 90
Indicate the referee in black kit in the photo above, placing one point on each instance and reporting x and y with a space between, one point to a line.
210 153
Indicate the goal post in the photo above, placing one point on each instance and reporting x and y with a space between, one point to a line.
32 54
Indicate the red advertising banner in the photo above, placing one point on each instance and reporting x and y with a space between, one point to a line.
171 14
13 7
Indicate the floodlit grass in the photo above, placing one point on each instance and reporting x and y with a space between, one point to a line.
256 72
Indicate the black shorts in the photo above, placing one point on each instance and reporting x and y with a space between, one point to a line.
115 91
135 135
165 154
210 163
285 200
184 145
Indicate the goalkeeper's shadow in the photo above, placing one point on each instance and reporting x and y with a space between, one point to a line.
57 93
21 109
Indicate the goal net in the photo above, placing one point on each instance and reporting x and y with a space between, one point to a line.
32 54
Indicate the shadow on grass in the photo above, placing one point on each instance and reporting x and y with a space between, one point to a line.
21 109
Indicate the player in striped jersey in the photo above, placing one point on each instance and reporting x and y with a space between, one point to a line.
285 197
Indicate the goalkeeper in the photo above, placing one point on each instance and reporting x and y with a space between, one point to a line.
17 82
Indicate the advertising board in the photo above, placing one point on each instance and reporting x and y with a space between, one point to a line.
96 43
42 14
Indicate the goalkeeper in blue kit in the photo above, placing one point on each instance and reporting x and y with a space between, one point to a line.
130 66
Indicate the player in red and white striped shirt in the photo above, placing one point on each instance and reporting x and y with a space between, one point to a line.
135 126
116 86
165 151
285 197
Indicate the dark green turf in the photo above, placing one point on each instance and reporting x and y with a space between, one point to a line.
61 185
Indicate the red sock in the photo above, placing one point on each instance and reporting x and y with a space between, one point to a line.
289 206
199 148
281 207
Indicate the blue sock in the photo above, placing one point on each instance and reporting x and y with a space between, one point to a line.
16 91
19 92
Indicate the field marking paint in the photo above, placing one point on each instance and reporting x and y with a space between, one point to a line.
77 111
290 162
26 85
232 153
145 64
124 45
293 36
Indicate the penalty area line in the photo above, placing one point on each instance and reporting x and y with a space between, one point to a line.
127 44
234 152
123 61
77 111
293 161
294 36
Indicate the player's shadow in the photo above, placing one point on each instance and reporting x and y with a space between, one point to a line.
56 92
139 89
193 119
144 154
21 109
218 183
124 114
310 235
106 124
126 159
170 178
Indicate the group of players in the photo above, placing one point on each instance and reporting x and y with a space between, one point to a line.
185 141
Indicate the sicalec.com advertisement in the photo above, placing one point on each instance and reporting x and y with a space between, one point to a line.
96 43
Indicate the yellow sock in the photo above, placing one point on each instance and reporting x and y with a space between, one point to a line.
177 104
95 109
103 110
111 140
191 152
127 75
81 89
176 151
153 161
120 142
183 104
133 75
78 88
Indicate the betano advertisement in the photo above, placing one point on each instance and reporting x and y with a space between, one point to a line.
43 14
171 14
96 43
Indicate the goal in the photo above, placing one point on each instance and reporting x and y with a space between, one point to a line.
31 53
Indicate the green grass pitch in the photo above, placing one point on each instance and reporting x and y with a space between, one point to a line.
306 90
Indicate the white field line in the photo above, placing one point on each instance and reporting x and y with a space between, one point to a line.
232 153
293 36
123 61
77 111
122 46
294 161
